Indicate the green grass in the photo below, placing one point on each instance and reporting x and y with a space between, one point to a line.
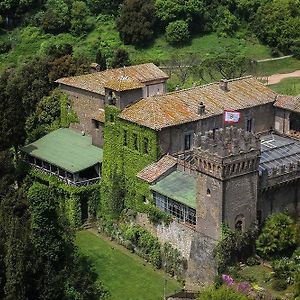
289 86
278 66
30 41
203 46
126 276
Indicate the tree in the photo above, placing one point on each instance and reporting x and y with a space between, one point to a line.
136 22
120 59
226 63
277 23
193 12
104 6
101 60
56 17
278 236
79 18
177 32
11 116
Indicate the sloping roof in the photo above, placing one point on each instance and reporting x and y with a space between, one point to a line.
178 186
155 170
180 107
66 149
277 151
96 82
291 103
124 83
100 116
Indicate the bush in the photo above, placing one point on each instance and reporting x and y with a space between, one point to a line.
252 261
223 293
284 269
5 46
278 236
279 284
177 32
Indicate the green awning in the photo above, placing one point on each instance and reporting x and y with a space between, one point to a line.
178 186
66 149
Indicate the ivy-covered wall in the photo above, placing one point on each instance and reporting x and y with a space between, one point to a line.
128 148
71 198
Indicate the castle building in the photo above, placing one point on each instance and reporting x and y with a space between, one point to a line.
185 160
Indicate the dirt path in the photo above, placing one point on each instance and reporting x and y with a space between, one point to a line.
276 78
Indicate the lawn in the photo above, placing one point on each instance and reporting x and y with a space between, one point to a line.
278 66
289 86
125 275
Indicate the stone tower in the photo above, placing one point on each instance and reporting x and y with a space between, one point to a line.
227 163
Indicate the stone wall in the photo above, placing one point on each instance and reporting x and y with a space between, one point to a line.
195 247
86 105
284 197
282 120
171 139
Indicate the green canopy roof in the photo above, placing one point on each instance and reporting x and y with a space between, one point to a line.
66 149
178 186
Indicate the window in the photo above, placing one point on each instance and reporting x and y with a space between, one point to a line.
125 138
146 145
96 124
249 125
187 142
180 211
111 118
135 141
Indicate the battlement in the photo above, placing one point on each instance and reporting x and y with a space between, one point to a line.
227 142
280 175
227 152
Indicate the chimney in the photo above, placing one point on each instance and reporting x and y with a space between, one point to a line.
224 85
201 108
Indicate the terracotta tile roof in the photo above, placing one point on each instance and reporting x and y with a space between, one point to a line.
155 170
100 116
96 82
124 84
180 107
288 102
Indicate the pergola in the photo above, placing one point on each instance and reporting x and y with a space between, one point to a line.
68 155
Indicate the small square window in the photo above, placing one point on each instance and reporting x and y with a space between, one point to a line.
96 124
135 141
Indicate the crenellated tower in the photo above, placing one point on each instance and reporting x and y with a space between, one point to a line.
227 162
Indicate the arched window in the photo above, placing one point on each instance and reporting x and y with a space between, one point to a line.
239 222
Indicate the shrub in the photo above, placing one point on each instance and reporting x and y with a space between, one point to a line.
284 269
279 284
234 246
252 261
177 32
5 46
221 294
278 236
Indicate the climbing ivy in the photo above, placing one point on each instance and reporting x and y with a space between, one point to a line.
70 197
128 148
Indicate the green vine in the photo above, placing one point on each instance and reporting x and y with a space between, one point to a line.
71 197
128 148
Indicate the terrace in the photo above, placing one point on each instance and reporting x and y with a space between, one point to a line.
68 155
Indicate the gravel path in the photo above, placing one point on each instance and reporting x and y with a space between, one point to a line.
276 78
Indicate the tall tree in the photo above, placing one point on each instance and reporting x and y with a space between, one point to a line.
136 21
